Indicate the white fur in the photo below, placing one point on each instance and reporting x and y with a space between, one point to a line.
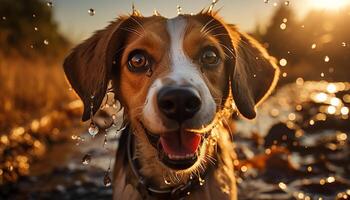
183 72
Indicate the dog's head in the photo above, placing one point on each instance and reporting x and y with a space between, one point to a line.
172 76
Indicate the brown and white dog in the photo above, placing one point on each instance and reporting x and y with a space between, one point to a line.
179 81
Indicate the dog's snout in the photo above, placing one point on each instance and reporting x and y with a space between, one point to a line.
178 103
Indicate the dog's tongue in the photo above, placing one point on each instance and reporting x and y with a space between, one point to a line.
180 143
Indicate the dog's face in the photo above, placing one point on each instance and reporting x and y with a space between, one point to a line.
173 76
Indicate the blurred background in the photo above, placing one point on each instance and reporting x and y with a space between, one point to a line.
40 114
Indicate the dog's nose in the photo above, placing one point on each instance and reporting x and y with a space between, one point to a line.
178 103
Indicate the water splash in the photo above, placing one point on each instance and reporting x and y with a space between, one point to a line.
46 42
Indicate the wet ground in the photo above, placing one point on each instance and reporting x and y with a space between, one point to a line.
297 148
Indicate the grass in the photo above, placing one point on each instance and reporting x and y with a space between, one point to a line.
30 88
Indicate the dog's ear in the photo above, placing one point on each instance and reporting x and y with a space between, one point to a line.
254 76
89 64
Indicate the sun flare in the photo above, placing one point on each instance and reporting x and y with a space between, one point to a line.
329 4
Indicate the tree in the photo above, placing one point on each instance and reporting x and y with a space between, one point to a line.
27 28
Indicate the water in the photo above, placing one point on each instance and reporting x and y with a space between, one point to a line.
91 12
281 155
49 4
86 159
107 181
93 129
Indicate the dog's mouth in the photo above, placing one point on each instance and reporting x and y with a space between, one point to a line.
178 150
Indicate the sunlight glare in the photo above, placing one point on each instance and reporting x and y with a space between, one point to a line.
329 4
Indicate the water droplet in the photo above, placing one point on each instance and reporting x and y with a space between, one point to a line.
166 181
282 185
286 3
275 4
283 26
284 74
93 129
105 141
91 12
313 46
178 9
322 74
285 20
3 18
36 29
155 12
299 81
107 181
201 181
326 59
149 72
86 159
49 4
34 15
344 111
343 44
46 42
266 1
283 62
211 7
32 46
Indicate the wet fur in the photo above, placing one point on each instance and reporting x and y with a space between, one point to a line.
247 76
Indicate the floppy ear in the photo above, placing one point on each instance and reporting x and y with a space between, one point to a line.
254 76
89 64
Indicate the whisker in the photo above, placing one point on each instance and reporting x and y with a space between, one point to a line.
138 23
203 28
228 49
131 31
210 30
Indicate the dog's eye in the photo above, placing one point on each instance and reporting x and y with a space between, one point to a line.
209 57
138 61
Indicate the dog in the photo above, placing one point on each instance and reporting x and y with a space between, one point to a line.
179 81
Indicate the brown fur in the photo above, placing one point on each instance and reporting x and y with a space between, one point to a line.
247 69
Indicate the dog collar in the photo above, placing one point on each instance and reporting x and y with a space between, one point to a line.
178 192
